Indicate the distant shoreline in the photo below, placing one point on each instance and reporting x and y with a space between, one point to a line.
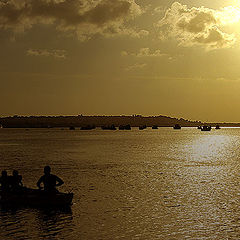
100 121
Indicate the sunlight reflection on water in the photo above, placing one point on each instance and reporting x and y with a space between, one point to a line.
209 148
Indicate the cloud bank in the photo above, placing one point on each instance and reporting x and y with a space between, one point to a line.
135 66
197 26
60 54
144 52
81 17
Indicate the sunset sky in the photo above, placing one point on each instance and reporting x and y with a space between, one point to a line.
116 57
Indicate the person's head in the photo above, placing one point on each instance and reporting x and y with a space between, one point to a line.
4 173
47 170
15 173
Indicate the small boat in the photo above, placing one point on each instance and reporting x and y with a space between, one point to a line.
111 127
217 127
35 198
142 127
124 127
199 127
206 128
177 126
88 127
154 127
128 127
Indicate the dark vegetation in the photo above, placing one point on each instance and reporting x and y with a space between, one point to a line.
96 121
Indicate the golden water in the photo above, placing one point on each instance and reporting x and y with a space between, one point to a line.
151 184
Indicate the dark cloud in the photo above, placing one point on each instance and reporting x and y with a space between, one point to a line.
83 17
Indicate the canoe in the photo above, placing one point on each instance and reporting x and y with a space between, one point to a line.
36 198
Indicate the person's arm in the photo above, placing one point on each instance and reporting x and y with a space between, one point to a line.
20 181
59 181
39 182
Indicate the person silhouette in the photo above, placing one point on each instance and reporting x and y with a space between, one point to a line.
4 181
50 181
15 181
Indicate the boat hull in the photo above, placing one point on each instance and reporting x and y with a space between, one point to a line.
36 198
206 128
177 127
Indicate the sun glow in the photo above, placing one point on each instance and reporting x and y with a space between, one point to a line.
229 15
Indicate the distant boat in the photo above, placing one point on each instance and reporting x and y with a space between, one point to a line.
206 128
154 127
72 128
112 127
88 127
199 127
177 126
142 127
124 127
128 127
217 127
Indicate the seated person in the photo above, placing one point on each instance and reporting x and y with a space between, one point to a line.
15 181
50 181
4 181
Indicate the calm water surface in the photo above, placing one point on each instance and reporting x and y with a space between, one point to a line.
151 184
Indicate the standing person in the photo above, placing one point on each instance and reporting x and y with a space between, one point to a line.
15 181
4 181
50 181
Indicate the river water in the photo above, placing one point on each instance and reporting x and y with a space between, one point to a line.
150 184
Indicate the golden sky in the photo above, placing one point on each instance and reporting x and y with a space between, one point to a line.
114 57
